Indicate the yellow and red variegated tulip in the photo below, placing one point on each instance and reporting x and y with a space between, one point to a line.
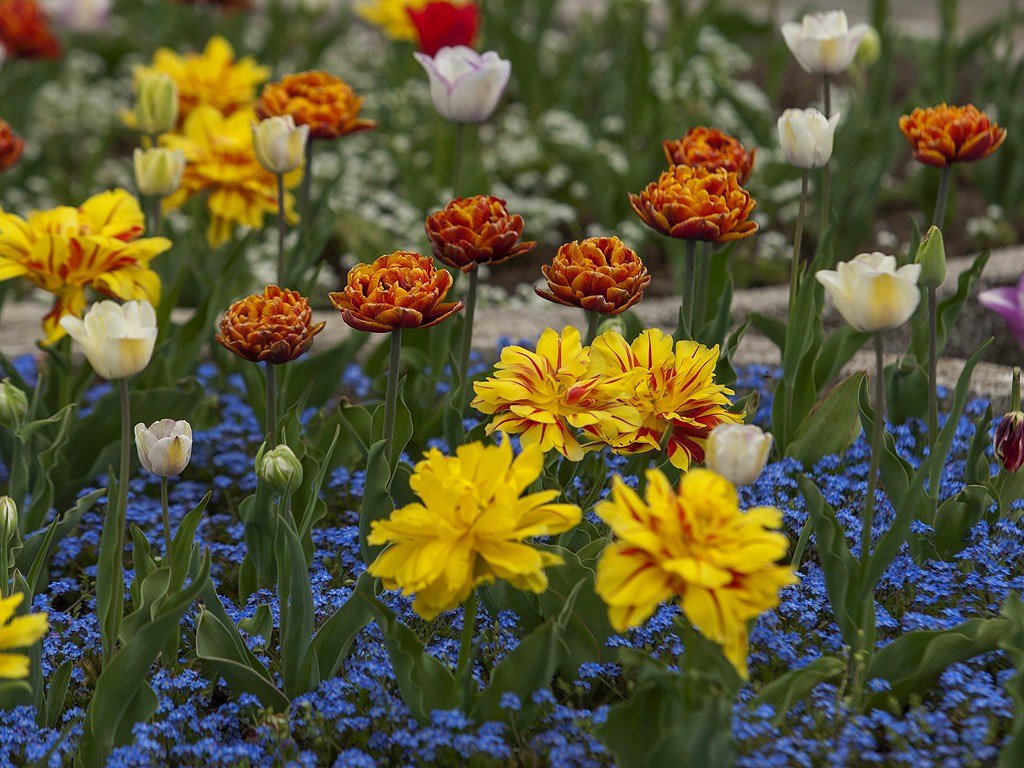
696 544
674 392
712 149
399 290
547 397
273 327
944 135
327 104
475 230
599 274
11 146
64 250
693 203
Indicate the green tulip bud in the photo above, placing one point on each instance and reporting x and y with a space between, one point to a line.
13 404
280 468
156 104
8 520
931 255
870 48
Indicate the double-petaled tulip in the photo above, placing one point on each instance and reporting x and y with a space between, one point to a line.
944 135
158 170
870 293
399 290
738 452
164 447
1008 302
11 146
327 104
118 339
279 144
824 43
273 327
693 203
711 149
599 274
805 136
1008 443
465 85
156 103
475 230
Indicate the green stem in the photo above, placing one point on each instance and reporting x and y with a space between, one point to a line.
167 525
281 228
798 236
467 334
940 200
689 286
933 395
464 665
826 95
876 449
826 172
121 513
703 279
460 134
593 320
1015 390
391 396
271 374
307 181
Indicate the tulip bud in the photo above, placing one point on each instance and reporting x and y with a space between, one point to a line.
280 468
8 520
158 171
931 255
13 404
118 339
871 293
870 48
156 104
465 85
737 452
279 145
805 136
164 447
1008 442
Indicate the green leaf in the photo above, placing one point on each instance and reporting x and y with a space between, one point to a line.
142 557
1012 753
948 310
377 503
260 624
977 470
957 515
47 461
321 371
37 550
295 604
832 424
183 543
331 643
906 390
774 329
308 498
110 572
913 662
789 688
260 521
835 351
426 684
56 693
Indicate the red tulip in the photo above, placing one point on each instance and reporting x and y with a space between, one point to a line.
440 24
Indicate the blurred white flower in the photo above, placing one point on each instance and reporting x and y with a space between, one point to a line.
465 85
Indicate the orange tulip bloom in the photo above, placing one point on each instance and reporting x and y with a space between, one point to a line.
24 31
599 274
400 290
944 135
11 146
710 148
273 327
693 203
327 104
475 230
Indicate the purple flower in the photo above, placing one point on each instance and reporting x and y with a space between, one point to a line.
1008 302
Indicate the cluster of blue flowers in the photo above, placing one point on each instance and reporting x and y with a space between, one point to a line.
358 718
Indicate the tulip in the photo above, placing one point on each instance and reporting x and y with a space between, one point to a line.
13 404
465 85
8 522
824 43
805 136
931 255
156 104
1008 443
280 468
279 145
11 144
79 16
164 447
158 170
870 293
1008 302
738 452
117 338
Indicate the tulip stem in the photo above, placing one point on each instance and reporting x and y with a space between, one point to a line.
391 395
689 287
464 665
120 515
307 180
167 525
467 334
798 236
826 172
593 320
703 277
271 373
876 449
280 229
940 200
460 135
156 215
933 354
1015 390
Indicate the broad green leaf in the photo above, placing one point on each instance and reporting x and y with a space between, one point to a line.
37 550
832 424
835 351
330 644
1012 753
957 515
787 689
260 624
377 503
260 521
56 693
295 604
183 543
309 495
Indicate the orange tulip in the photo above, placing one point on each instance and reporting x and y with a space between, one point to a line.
11 146
323 102
273 327
693 203
475 230
599 274
25 32
711 149
400 290
944 135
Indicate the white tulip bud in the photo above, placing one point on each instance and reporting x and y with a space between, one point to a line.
158 171
824 43
738 452
279 145
164 447
805 136
13 404
8 521
870 293
156 103
465 85
280 468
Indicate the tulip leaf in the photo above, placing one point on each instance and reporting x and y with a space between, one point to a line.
183 543
110 572
977 470
832 424
957 515
774 330
426 684
947 311
906 390
309 496
789 688
259 625
913 662
331 643
377 503
39 547
56 694
295 604
319 372
835 351
1012 643
142 557
259 521
47 462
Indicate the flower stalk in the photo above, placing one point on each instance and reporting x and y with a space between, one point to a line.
391 395
307 181
271 376
826 173
689 286
795 268
167 526
467 334
281 223
876 447
593 320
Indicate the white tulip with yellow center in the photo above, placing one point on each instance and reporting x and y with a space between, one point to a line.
118 339
871 293
824 43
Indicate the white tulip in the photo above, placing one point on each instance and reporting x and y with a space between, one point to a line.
805 136
158 170
824 43
870 293
117 338
164 447
280 146
738 452
81 16
465 85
